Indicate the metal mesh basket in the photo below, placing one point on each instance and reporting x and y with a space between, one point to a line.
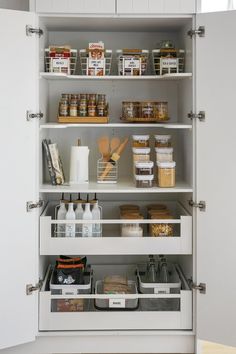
106 172
73 61
168 65
137 59
84 54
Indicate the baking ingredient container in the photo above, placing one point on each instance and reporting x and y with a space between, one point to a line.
144 168
164 154
166 174
143 181
162 141
140 141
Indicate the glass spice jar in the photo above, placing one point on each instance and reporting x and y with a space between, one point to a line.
166 174
162 141
130 109
140 141
101 98
162 111
63 108
147 109
73 108
92 111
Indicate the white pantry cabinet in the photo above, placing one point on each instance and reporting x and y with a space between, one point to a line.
206 171
76 6
156 6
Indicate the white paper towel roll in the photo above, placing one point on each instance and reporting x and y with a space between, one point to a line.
79 164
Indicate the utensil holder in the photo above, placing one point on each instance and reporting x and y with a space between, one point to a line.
111 176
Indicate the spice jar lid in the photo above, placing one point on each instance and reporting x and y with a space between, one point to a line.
162 137
171 164
142 164
140 137
144 177
141 151
164 150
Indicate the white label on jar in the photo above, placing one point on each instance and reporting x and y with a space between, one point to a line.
169 63
60 63
132 63
117 303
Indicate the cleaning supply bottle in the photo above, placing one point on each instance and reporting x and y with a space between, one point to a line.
70 215
61 215
87 229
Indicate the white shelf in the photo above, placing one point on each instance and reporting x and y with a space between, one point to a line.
116 125
125 186
61 76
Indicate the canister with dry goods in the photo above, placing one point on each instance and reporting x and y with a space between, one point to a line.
141 154
144 168
144 181
162 111
148 109
166 174
130 109
162 141
161 229
140 141
130 229
164 154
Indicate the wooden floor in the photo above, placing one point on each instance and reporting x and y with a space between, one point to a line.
211 348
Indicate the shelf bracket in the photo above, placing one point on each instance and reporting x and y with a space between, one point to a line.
30 30
200 32
33 205
30 115
201 205
31 288
201 116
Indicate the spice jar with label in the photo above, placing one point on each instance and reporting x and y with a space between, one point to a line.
162 109
73 108
141 141
64 107
162 141
144 168
164 154
166 174
130 109
147 109
144 181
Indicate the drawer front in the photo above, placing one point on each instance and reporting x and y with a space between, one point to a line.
155 6
76 6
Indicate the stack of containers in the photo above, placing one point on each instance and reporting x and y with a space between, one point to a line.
142 166
164 160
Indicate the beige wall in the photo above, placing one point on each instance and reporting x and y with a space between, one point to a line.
15 4
212 348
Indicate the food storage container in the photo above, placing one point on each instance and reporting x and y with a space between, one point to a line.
141 154
144 181
148 109
141 141
131 229
162 141
164 154
130 109
166 174
144 168
162 111
116 303
162 229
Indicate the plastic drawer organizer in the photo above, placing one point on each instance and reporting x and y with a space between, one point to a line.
171 311
111 242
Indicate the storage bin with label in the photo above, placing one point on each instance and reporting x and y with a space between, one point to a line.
132 62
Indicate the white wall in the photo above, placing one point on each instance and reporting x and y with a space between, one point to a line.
15 4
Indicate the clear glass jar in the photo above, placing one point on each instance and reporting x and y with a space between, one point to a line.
73 108
92 111
147 109
166 174
140 141
130 109
63 108
164 154
162 229
162 141
162 111
144 168
144 181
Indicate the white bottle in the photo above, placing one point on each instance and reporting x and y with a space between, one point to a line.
70 215
96 214
87 228
61 215
79 216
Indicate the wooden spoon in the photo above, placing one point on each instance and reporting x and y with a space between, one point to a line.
104 145
114 143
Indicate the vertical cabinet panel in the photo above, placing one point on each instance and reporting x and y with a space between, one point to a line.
156 6
76 6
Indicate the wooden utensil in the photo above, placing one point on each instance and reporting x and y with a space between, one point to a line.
104 147
114 143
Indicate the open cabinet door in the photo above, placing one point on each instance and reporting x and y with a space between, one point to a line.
216 177
18 239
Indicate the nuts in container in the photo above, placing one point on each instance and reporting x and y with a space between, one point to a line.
160 229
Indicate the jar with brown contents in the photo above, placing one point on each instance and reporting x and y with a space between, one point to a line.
147 109
73 108
144 168
162 229
166 174
64 108
140 141
162 141
162 111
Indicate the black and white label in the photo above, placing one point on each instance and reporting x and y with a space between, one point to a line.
116 303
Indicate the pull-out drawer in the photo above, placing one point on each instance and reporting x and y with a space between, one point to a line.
171 311
111 242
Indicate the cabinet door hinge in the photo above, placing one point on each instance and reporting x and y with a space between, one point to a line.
201 287
200 31
201 116
30 288
30 30
201 205
33 205
30 115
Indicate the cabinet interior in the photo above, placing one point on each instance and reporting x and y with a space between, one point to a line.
117 33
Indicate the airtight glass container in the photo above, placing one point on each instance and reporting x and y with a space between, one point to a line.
144 168
144 181
162 141
166 174
164 154
140 141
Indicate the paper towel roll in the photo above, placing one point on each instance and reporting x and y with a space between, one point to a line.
79 164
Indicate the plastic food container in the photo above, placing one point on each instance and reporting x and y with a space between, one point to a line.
162 141
141 141
164 154
144 181
144 168
116 303
161 230
142 154
166 174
